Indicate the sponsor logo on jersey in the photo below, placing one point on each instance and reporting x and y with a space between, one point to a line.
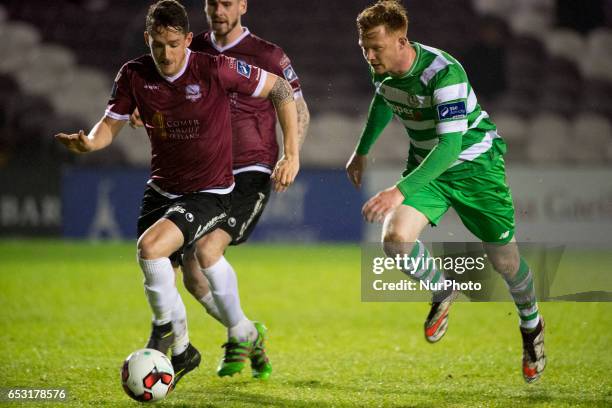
415 100
193 92
151 87
289 74
284 61
159 126
176 208
243 69
452 110
204 229
404 112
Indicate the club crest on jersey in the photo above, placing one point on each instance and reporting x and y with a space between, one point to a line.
193 92
243 69
289 74
452 110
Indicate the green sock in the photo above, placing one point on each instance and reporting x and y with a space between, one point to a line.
424 270
523 292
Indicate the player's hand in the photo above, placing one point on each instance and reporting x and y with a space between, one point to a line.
355 168
76 142
379 206
136 120
285 172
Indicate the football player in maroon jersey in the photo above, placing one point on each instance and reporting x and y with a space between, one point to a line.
255 151
183 98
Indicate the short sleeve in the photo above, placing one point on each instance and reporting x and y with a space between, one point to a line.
450 92
121 103
237 76
284 69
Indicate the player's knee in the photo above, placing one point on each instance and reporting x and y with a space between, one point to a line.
393 236
208 252
149 248
395 242
505 265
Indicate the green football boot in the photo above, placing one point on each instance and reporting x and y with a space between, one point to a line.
236 355
260 364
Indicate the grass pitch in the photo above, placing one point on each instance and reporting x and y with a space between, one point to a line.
71 312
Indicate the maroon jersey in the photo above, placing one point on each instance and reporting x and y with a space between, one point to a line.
253 120
187 117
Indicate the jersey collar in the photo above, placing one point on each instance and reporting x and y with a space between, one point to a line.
213 41
182 71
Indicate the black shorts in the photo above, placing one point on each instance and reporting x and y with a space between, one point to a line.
249 198
195 214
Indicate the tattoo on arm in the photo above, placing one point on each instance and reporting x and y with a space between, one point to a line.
303 119
281 93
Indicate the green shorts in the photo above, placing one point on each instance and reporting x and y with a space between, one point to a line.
483 202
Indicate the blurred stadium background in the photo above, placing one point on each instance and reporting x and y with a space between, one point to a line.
541 68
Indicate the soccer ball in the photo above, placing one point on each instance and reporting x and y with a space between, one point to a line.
147 375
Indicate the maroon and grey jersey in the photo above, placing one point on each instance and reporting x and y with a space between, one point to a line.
253 120
187 117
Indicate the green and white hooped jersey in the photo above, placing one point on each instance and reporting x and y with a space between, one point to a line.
433 99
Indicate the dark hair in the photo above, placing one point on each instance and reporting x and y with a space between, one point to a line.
167 14
389 13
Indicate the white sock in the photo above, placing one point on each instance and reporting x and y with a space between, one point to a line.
224 289
211 307
179 327
160 288
244 330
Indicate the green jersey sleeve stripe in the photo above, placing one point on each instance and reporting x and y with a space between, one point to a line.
422 134
438 64
471 101
483 115
475 150
450 93
425 144
419 124
452 127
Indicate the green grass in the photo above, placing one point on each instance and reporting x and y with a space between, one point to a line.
71 312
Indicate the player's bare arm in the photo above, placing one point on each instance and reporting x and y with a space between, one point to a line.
100 136
303 120
280 93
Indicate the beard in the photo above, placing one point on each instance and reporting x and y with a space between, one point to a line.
229 24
